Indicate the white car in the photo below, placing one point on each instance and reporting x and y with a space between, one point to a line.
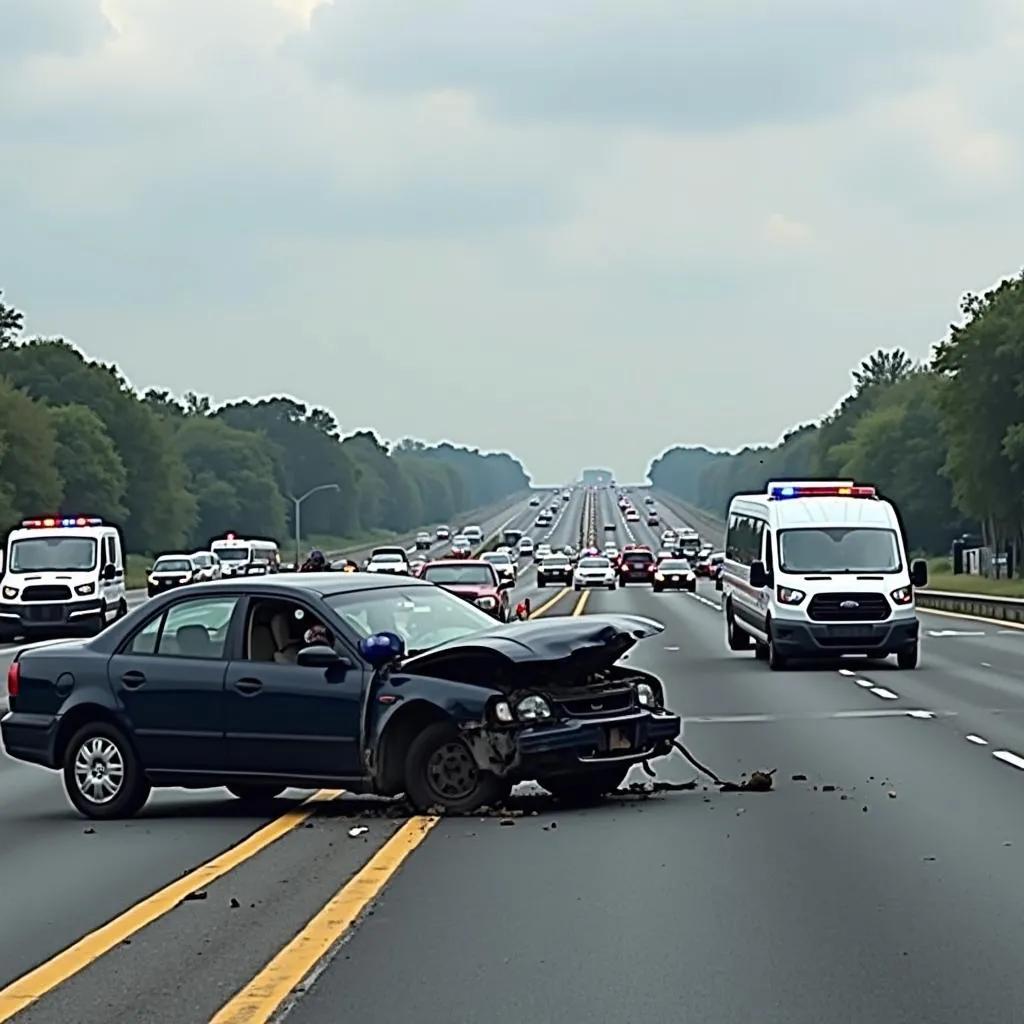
423 541
504 564
543 550
389 562
443 532
526 545
594 571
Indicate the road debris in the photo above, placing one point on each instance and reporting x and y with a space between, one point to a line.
358 830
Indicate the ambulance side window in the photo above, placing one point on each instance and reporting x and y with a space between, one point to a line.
767 556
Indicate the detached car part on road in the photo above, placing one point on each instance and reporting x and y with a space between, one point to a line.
372 683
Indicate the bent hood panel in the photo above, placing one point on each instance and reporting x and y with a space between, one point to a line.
585 643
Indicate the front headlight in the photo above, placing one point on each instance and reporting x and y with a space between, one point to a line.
787 595
902 596
486 602
659 575
85 589
646 696
690 576
10 593
533 709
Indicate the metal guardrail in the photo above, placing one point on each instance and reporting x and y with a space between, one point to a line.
985 606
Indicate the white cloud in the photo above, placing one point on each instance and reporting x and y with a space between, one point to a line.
636 201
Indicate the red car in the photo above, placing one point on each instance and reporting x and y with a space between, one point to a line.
636 566
461 548
709 568
473 580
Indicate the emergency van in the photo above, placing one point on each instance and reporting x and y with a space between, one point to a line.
62 576
819 569
246 557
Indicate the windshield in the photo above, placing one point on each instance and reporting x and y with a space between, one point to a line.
675 565
557 561
497 558
839 549
456 574
638 556
423 616
53 554
172 565
232 554
594 563
389 558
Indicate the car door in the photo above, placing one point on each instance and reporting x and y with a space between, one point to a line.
288 719
169 679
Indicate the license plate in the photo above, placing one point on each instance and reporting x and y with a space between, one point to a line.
675 579
619 739
850 632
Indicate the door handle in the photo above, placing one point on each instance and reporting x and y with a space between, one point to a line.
133 680
248 685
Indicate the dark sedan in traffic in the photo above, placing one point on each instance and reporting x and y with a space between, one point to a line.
372 683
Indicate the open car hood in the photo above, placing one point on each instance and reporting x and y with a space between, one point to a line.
582 644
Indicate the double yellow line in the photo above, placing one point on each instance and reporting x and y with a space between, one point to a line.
260 1000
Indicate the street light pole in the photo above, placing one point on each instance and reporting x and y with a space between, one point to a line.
297 516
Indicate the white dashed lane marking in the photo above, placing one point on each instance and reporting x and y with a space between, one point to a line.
979 740
881 691
1010 758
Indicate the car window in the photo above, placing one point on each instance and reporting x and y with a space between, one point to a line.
277 629
197 628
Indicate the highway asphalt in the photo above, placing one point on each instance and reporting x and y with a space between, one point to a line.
875 883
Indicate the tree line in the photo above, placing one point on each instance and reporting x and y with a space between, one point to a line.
944 439
76 438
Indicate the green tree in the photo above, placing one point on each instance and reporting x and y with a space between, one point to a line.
28 466
95 480
11 322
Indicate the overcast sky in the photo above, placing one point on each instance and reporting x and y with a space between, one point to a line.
581 230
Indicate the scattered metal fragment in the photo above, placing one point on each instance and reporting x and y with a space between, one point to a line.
358 830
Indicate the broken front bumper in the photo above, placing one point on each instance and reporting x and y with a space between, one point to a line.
572 744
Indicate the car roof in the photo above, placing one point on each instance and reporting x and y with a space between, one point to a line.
457 561
315 582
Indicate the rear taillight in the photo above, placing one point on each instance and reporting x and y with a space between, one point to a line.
13 678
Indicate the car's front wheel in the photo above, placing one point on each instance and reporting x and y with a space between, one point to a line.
581 787
102 775
440 772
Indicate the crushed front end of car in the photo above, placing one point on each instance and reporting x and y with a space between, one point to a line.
561 710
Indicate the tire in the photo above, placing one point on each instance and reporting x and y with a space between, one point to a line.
103 745
541 583
122 609
585 787
440 772
255 792
657 590
776 662
908 657
735 638
577 589
760 651
611 586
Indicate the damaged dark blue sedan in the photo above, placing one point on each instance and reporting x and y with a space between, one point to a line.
375 684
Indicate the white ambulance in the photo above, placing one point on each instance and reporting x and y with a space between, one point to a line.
62 576
246 557
819 569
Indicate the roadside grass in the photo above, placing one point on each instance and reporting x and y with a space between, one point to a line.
964 584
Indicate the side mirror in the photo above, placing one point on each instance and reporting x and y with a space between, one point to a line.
149 569
758 575
382 648
321 656
506 584
109 572
919 572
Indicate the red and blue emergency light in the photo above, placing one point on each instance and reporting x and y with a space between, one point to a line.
54 522
828 491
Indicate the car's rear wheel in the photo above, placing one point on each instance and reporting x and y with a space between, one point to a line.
580 787
255 793
102 776
440 772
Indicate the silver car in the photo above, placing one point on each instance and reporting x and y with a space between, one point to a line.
594 571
